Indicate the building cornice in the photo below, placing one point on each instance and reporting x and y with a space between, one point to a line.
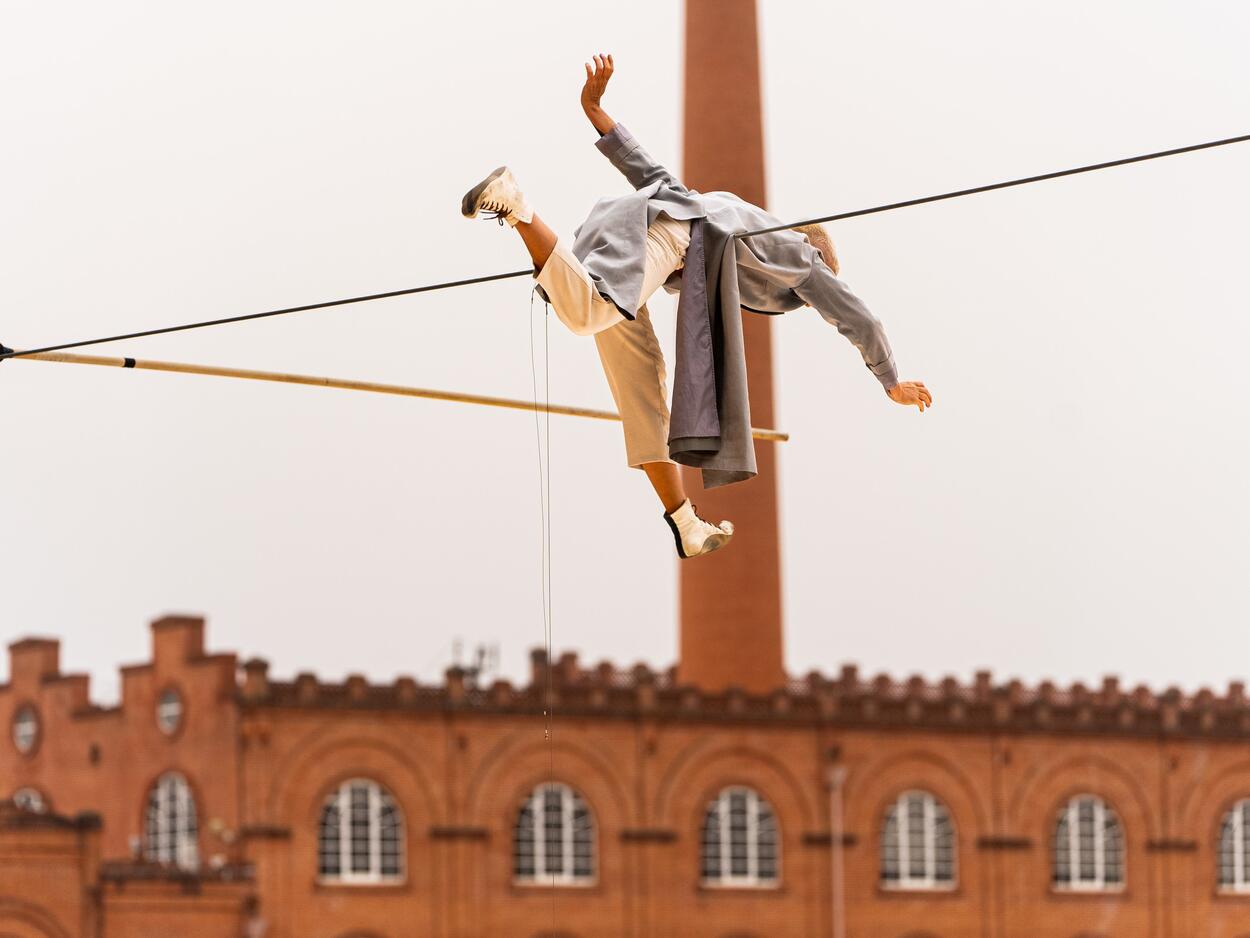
881 704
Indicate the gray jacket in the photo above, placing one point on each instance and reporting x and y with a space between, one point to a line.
711 416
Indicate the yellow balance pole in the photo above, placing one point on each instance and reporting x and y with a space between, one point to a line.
344 384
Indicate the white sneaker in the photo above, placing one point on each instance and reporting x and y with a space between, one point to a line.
695 536
500 196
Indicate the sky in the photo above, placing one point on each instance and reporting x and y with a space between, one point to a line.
1074 504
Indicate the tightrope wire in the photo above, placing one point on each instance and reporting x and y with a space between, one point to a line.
1024 180
429 288
246 317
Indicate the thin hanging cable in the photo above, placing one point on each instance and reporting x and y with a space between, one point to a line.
996 185
543 470
544 500
547 437
547 441
551 703
542 437
1159 154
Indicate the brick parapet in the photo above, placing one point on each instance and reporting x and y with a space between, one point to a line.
847 700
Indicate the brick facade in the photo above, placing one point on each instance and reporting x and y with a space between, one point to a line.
46 866
647 755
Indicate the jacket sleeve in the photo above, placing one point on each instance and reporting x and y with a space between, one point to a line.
635 163
842 309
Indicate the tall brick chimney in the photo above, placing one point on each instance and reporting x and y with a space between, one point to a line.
731 600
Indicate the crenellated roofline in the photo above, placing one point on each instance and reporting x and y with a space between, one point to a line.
607 691
847 700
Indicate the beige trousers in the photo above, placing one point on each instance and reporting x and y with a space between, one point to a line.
629 350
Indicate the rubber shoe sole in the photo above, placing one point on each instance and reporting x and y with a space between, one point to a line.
468 205
714 542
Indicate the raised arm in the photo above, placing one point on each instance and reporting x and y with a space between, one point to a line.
615 142
597 76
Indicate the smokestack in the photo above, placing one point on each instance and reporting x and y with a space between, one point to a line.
731 600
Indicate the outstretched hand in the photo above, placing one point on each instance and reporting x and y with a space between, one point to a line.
597 77
911 393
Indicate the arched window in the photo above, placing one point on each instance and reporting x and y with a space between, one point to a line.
1088 847
739 840
553 842
917 844
170 834
1234 855
360 837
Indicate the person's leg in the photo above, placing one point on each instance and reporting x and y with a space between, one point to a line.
573 295
565 282
634 366
665 478
539 240
667 241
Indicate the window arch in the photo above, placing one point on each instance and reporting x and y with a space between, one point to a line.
739 840
170 832
1088 847
360 835
553 841
917 843
1233 871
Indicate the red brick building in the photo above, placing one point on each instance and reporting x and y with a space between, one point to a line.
214 798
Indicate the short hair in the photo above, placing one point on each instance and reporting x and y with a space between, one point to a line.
819 239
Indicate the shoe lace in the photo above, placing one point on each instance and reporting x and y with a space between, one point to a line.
718 526
494 209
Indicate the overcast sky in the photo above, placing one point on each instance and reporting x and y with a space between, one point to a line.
1073 505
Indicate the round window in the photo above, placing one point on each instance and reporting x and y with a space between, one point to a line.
29 799
25 729
169 711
